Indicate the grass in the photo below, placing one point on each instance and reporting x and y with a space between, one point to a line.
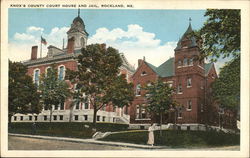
64 129
177 139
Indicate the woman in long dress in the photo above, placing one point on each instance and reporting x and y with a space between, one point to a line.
151 134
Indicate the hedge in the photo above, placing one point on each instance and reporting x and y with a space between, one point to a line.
177 138
65 129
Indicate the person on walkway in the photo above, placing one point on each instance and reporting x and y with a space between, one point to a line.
151 134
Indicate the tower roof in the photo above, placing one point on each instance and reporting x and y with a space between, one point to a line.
184 36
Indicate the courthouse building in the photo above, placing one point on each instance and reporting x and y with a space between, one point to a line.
190 77
65 58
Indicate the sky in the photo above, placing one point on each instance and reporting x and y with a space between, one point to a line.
136 33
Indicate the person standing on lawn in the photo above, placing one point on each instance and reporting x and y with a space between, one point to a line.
151 134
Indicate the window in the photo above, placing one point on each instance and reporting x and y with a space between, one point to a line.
15 118
141 112
191 62
202 107
61 106
143 73
202 84
126 110
189 82
35 118
114 108
61 117
21 118
45 108
189 105
36 76
30 118
61 73
179 114
45 118
77 105
55 117
185 62
103 119
179 89
76 117
86 105
98 118
56 107
138 90
85 117
47 70
114 119
179 63
82 42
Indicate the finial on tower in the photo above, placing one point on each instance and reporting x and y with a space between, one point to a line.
78 11
190 20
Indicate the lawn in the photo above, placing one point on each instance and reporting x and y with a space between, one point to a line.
177 138
64 129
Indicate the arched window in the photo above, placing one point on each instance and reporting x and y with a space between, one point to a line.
138 89
48 69
61 72
82 42
185 62
36 76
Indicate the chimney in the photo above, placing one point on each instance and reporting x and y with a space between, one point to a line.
71 44
140 61
34 52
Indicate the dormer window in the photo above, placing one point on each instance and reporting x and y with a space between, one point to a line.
143 73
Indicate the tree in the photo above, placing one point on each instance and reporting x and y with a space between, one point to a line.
160 98
53 90
97 78
226 88
220 34
23 96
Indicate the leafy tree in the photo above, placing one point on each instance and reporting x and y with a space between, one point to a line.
226 88
160 98
220 34
53 90
23 96
97 78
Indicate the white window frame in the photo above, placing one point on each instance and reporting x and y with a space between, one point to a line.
189 104
34 75
46 70
178 89
63 71
189 79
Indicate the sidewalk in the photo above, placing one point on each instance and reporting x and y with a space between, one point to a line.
90 141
